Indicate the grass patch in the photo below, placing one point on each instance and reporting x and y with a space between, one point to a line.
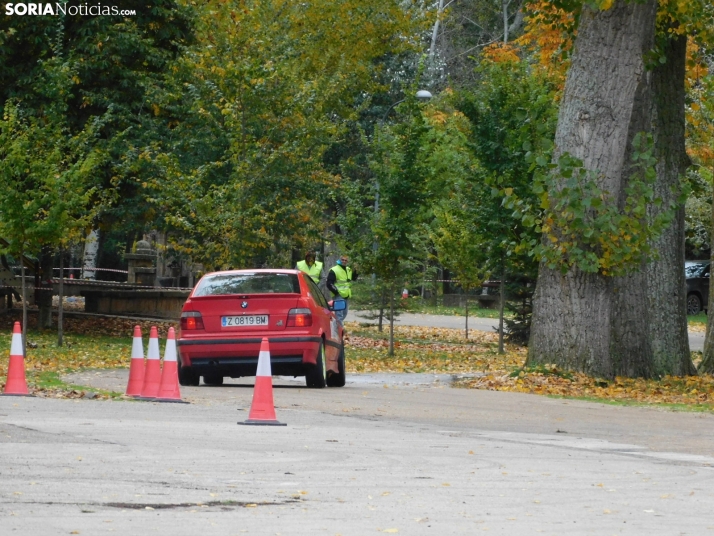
695 408
93 344
419 306
696 392
699 320
440 350
49 384
89 343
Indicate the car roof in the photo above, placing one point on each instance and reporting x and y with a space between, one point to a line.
255 271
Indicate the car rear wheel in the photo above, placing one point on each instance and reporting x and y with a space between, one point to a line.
187 376
338 379
213 379
315 376
694 304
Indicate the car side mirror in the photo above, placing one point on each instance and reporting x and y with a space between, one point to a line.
337 305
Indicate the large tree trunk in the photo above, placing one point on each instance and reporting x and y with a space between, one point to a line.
707 364
585 321
666 285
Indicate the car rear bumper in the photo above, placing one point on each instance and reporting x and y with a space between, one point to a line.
235 357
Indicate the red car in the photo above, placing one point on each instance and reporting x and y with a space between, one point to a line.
228 313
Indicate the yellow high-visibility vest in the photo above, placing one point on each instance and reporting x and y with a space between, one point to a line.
313 271
343 280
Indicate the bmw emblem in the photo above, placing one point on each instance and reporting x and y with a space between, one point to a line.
244 304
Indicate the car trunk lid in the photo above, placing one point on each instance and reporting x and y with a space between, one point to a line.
243 313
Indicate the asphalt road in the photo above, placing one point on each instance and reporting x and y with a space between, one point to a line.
696 340
388 454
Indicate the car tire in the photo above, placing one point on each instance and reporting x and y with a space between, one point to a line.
213 380
338 379
187 377
315 376
694 304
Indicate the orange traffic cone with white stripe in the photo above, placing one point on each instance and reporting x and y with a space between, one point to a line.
136 369
169 388
16 383
152 375
262 409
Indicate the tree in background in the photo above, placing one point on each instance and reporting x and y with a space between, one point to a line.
276 82
48 192
511 112
115 67
700 112
398 161
609 307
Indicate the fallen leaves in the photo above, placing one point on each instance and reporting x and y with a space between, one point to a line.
105 343
442 350
688 390
89 343
426 350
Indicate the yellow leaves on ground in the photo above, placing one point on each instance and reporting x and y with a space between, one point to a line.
441 350
690 390
89 343
105 343
422 349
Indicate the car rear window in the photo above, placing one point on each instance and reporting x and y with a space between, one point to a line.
247 283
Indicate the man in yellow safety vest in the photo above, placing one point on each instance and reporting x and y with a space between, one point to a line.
339 282
310 266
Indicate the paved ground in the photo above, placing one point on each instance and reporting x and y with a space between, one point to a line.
696 339
386 454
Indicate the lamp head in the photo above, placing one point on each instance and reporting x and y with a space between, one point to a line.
423 95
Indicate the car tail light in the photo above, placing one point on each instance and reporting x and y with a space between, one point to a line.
299 318
191 320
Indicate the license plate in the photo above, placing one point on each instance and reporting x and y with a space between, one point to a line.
244 320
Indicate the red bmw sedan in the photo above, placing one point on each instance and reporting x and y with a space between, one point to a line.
228 313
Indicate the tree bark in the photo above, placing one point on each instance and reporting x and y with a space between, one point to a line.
585 321
44 293
467 315
707 364
666 285
60 307
391 321
501 304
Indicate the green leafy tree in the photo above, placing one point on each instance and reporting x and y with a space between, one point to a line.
510 112
116 68
275 82
48 194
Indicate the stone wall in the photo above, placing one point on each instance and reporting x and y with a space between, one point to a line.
150 303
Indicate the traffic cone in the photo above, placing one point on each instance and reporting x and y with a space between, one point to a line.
169 388
16 383
152 374
262 409
136 369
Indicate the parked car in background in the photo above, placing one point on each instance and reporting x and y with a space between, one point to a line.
697 276
228 313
